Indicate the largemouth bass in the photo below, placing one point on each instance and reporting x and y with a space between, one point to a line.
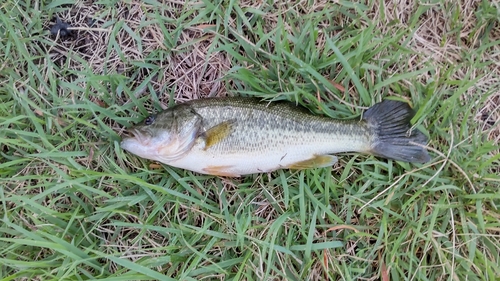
239 136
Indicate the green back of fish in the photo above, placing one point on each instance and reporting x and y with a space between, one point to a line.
259 126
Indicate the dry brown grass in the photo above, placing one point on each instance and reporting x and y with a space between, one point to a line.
191 68
441 41
186 66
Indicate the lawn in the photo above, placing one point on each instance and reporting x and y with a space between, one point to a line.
75 206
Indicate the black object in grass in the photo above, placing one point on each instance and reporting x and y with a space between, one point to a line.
61 28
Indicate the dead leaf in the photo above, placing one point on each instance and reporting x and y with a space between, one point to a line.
325 262
338 86
100 103
61 122
385 273
91 156
154 166
204 26
341 227
38 112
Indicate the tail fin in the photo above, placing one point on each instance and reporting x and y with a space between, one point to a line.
390 121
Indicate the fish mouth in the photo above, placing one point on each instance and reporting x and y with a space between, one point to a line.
135 134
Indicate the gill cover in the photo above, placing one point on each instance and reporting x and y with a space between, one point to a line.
166 136
185 125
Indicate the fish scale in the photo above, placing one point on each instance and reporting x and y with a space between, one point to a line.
277 125
238 136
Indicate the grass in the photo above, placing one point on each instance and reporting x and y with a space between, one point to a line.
74 206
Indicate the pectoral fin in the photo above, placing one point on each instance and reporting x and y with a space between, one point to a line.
218 133
318 161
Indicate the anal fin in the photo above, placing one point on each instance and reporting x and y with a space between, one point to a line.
220 171
318 161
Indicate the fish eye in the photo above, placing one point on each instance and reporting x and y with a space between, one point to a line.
149 120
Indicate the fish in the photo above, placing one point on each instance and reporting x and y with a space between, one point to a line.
236 136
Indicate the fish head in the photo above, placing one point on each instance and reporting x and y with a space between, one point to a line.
164 137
